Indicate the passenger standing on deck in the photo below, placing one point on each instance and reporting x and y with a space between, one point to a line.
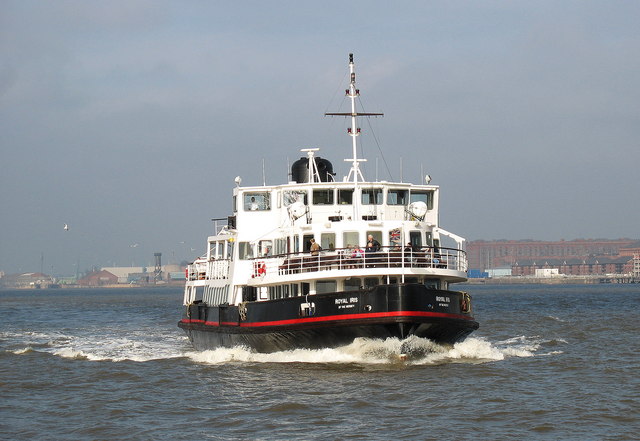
372 244
315 248
408 253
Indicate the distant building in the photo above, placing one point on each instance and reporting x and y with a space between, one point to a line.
98 278
477 274
26 280
576 267
142 274
631 251
499 272
547 272
484 255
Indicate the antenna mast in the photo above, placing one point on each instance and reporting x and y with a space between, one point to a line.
354 130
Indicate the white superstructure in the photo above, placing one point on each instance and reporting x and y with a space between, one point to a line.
264 252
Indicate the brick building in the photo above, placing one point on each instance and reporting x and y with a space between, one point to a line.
576 267
98 278
485 255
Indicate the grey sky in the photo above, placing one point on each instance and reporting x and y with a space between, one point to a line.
129 120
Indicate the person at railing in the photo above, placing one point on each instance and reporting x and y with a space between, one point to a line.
369 251
315 248
439 260
344 254
356 254
409 256
372 244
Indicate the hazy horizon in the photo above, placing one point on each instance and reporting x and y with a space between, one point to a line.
129 121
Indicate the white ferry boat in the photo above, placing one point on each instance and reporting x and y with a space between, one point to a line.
317 262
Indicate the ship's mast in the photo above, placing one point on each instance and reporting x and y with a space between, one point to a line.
354 131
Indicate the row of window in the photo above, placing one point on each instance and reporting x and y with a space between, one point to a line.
327 241
351 284
302 243
261 200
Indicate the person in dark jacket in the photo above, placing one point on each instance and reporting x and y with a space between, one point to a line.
372 244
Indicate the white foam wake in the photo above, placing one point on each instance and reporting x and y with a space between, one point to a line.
108 346
372 351
140 346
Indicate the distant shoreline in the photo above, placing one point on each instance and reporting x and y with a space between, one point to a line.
508 280
114 286
562 280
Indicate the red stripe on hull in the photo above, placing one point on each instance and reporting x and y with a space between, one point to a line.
342 317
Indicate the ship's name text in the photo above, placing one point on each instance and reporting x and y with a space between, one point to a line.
346 300
347 303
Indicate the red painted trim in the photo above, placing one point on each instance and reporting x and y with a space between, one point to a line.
355 316
341 317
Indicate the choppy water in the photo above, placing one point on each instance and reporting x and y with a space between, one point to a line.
548 363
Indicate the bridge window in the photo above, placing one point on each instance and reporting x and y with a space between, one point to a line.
323 197
345 196
292 196
422 196
397 197
258 201
372 196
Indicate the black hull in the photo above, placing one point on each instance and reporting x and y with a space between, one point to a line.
332 320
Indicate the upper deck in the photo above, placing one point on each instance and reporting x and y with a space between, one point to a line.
258 210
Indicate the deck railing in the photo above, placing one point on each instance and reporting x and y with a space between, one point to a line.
345 259
212 269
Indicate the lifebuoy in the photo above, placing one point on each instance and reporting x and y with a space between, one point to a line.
262 269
